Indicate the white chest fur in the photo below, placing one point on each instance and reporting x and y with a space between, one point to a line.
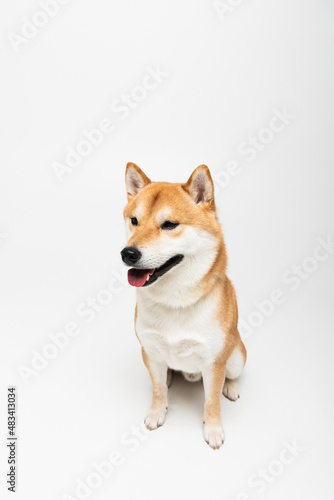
187 339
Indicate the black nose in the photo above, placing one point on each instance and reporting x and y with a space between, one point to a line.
130 255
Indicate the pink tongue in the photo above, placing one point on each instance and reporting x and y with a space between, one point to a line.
138 277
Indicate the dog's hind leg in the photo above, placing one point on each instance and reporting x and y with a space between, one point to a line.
235 365
192 377
169 377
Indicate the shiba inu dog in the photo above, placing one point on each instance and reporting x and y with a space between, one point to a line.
186 315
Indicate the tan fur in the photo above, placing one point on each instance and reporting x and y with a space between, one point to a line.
159 398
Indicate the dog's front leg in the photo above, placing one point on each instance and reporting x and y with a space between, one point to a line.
213 380
158 373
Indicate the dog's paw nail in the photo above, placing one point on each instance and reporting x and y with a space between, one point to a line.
214 436
231 390
155 418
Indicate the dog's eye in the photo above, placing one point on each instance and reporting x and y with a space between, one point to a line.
169 225
134 221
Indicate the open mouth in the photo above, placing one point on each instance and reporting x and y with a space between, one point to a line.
145 277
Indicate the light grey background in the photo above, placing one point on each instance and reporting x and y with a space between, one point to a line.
60 241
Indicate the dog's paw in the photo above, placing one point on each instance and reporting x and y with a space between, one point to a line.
231 390
214 435
155 418
192 377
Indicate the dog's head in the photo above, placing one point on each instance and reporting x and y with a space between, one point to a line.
170 227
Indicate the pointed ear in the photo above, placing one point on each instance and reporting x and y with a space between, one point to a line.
200 186
135 180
